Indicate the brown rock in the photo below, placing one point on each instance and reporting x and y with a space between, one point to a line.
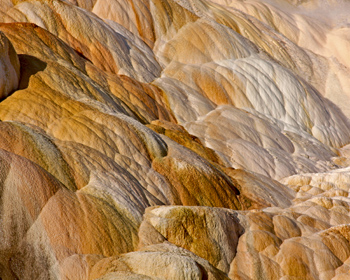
9 65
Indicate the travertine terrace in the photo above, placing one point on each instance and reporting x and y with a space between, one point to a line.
174 139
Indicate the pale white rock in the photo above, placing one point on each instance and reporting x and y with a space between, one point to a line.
319 32
200 42
240 136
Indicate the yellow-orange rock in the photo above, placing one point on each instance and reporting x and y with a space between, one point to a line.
108 49
173 139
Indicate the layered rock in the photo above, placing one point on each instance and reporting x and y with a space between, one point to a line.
173 140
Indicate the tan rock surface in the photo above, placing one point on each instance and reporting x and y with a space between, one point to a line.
172 139
258 191
135 16
106 48
163 261
183 226
191 176
143 101
21 204
38 148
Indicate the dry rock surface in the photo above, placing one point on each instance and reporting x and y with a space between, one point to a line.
174 139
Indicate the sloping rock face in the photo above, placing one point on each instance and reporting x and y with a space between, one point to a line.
172 139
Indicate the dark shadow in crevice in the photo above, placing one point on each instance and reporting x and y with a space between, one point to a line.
80 53
30 65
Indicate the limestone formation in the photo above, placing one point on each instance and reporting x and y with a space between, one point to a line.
173 139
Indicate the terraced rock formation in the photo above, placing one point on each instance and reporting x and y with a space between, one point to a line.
173 139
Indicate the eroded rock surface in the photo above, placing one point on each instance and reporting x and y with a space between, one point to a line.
172 139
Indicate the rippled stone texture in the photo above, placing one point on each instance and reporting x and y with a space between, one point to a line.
172 139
